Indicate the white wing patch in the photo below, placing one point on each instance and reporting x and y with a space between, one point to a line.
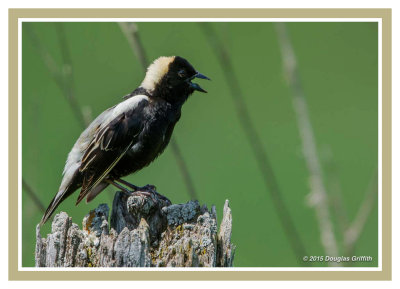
126 105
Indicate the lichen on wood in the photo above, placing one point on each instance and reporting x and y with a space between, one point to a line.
143 231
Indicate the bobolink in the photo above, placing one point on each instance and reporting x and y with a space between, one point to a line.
130 135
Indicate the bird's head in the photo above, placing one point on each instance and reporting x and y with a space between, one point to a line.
171 79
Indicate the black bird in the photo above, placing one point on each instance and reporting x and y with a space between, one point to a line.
130 135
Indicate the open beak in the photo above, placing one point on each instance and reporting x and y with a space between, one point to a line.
195 86
202 76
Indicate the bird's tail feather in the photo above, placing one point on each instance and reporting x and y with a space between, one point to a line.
52 207
62 195
56 201
95 191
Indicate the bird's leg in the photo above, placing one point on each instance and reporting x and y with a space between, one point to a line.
146 188
125 190
150 189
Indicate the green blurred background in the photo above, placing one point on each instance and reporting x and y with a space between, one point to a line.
338 67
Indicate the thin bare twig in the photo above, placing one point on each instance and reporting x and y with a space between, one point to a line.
62 77
318 195
68 76
255 142
33 195
183 168
334 191
353 232
131 33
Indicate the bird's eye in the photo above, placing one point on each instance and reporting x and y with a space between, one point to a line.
182 73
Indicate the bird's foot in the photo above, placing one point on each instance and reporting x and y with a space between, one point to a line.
150 191
147 190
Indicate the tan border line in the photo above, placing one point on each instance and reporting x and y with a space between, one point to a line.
385 14
387 143
199 13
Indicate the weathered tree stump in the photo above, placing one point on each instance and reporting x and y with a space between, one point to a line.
144 231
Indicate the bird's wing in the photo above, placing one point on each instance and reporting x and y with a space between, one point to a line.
110 142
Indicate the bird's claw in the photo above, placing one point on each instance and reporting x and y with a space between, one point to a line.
150 191
149 188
